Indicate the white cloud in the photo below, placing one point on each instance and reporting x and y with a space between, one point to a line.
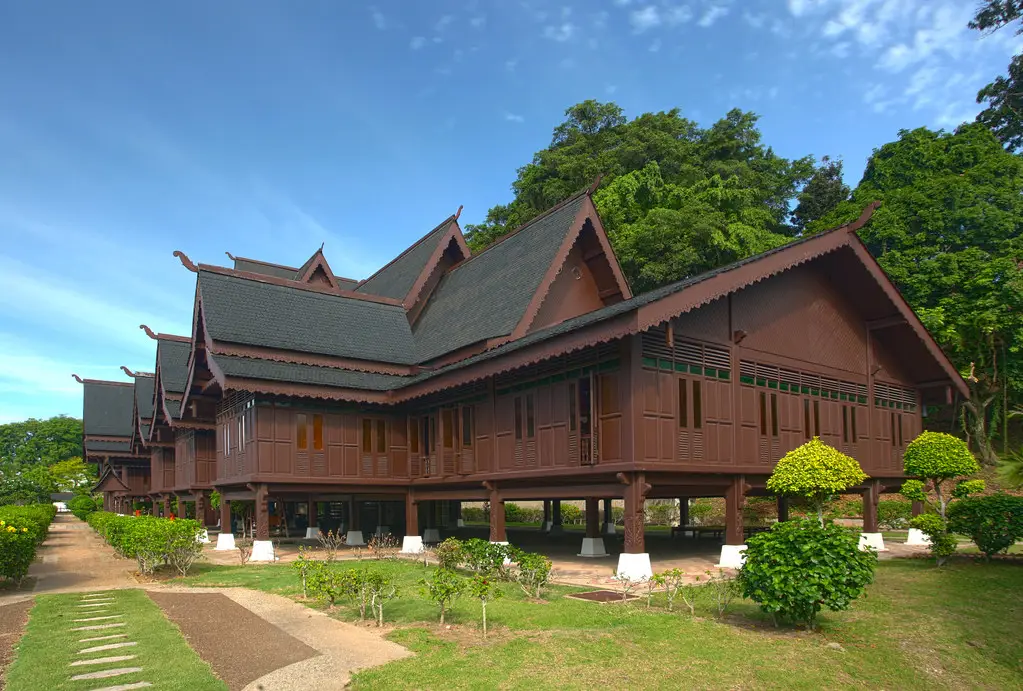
560 32
756 21
478 22
712 14
646 18
510 65
379 20
679 14
417 42
655 46
443 23
513 117
610 89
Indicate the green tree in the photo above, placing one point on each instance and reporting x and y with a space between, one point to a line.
1004 96
40 441
949 234
677 199
72 474
814 473
17 489
443 587
825 191
932 459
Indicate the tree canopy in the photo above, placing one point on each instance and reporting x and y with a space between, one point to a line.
949 234
1004 96
676 199
40 441
815 472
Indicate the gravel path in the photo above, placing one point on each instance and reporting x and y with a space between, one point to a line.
12 624
341 648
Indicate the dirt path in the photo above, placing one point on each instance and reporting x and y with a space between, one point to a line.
75 558
12 624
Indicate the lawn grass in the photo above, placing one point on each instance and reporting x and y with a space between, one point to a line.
44 654
918 628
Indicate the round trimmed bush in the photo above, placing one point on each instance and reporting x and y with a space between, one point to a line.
939 455
994 523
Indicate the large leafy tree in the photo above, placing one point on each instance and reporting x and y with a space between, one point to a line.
949 234
1003 96
40 441
825 191
676 199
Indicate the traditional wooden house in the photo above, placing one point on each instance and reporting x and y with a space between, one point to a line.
530 371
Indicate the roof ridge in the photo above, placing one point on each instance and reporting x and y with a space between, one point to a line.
260 261
447 221
297 285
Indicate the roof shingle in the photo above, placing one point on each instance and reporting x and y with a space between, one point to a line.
397 278
107 409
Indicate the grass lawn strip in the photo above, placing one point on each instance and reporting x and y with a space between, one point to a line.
56 653
918 628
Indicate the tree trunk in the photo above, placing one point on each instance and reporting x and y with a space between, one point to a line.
976 422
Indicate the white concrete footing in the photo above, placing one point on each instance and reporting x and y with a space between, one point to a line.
382 530
872 541
312 532
610 529
262 550
412 544
593 547
546 527
460 523
732 557
634 567
204 537
354 539
431 535
225 542
917 537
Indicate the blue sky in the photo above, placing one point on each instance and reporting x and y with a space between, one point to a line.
129 130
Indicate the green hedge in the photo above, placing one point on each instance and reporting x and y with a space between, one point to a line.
149 540
22 529
994 522
82 505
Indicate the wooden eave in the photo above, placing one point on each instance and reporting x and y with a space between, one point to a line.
292 356
318 261
454 234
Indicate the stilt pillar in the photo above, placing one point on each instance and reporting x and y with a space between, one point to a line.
498 532
412 543
634 562
593 544
312 530
225 540
783 509
871 538
166 507
546 527
262 548
918 508
556 526
354 537
431 533
683 511
456 507
735 498
200 507
609 518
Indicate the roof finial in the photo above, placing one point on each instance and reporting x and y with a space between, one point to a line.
230 256
185 261
128 371
149 332
595 185
77 378
459 212
321 245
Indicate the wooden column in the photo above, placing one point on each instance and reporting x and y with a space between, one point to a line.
609 515
166 507
635 515
200 508
225 515
735 498
411 515
262 513
592 518
313 511
683 511
783 509
556 525
870 498
546 513
918 508
354 517
497 527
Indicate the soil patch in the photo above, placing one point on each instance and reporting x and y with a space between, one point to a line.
602 596
12 624
239 645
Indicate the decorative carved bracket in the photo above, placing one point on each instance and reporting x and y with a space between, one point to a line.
185 261
149 332
595 185
77 378
230 256
128 371
459 212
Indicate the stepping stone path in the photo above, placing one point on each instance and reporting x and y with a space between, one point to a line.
96 603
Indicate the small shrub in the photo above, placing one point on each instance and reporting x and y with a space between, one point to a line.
381 589
894 514
81 506
329 582
443 587
449 553
244 547
663 513
707 512
994 523
485 590
800 566
484 557
513 513
943 545
534 573
475 514
723 588
17 551
758 511
571 514
331 542
383 546
303 565
672 581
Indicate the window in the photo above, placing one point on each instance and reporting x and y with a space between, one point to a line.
683 403
445 421
303 433
227 440
900 429
892 428
530 422
845 424
413 435
852 421
318 432
774 415
455 424
367 436
697 406
241 432
381 436
467 426
816 418
763 414
806 418
518 418
571 407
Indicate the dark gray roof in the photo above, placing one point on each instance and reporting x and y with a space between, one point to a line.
257 267
241 310
397 278
107 409
346 283
173 364
173 408
251 368
108 447
144 386
487 295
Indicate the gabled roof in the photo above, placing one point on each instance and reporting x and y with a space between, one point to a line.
487 295
240 310
267 269
107 408
109 482
172 360
144 391
397 278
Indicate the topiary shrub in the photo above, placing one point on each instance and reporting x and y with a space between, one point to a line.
814 473
994 523
943 545
894 514
800 566
81 506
